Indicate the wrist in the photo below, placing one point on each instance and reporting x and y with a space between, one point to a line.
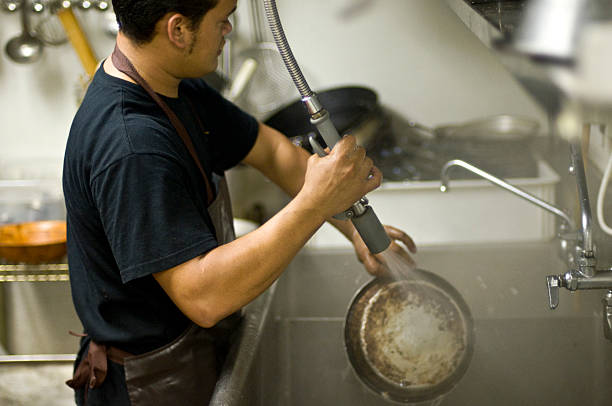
308 208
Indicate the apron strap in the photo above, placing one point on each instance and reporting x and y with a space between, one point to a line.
92 369
123 64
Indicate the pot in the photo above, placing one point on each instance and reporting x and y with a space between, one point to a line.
409 340
353 110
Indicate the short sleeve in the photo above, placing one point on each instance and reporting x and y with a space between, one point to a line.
233 132
150 215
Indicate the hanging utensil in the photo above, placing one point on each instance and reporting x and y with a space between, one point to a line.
37 6
25 48
409 340
10 5
241 79
49 29
270 86
78 39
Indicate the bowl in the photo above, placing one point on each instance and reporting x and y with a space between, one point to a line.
33 242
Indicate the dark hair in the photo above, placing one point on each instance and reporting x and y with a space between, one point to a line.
137 18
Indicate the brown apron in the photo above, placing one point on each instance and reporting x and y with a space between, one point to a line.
185 371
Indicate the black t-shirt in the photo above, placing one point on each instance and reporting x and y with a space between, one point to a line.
136 202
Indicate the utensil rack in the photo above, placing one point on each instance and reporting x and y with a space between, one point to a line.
33 273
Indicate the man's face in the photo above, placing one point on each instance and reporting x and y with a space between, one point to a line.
208 39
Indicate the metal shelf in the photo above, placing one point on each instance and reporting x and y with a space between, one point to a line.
33 273
34 358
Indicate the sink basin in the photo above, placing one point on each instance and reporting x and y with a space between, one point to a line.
524 353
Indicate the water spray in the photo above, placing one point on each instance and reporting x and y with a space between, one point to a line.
360 213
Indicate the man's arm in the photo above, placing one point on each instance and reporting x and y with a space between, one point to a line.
213 286
285 164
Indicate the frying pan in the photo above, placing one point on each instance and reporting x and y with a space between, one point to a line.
409 340
498 127
353 110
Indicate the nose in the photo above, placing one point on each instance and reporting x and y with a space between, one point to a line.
227 28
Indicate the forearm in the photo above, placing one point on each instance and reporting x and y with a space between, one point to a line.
285 164
217 284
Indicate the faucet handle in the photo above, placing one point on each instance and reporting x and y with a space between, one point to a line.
553 282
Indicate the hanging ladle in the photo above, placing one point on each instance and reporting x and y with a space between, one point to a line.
24 48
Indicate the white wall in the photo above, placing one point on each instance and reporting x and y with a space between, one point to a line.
417 55
38 100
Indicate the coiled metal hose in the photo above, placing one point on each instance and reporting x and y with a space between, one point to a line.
284 49
361 215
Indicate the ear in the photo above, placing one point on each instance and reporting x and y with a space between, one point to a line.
178 33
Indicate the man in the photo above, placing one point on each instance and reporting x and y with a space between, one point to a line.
157 279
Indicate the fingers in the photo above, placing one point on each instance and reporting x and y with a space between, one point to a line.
346 146
402 253
374 178
374 266
401 262
400 267
399 235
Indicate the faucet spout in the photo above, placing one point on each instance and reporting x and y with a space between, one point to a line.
583 196
444 187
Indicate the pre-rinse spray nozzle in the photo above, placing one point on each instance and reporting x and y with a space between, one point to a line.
361 215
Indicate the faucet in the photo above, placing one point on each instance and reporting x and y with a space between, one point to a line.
360 213
444 187
583 273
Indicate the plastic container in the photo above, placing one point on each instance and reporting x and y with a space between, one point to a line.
473 211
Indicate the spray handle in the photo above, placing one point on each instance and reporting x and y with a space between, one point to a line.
316 147
361 215
326 128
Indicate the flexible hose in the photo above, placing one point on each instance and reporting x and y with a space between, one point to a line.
600 198
284 49
367 224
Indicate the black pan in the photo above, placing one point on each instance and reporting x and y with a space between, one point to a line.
353 110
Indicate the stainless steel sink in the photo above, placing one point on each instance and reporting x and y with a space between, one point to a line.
524 352
291 350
